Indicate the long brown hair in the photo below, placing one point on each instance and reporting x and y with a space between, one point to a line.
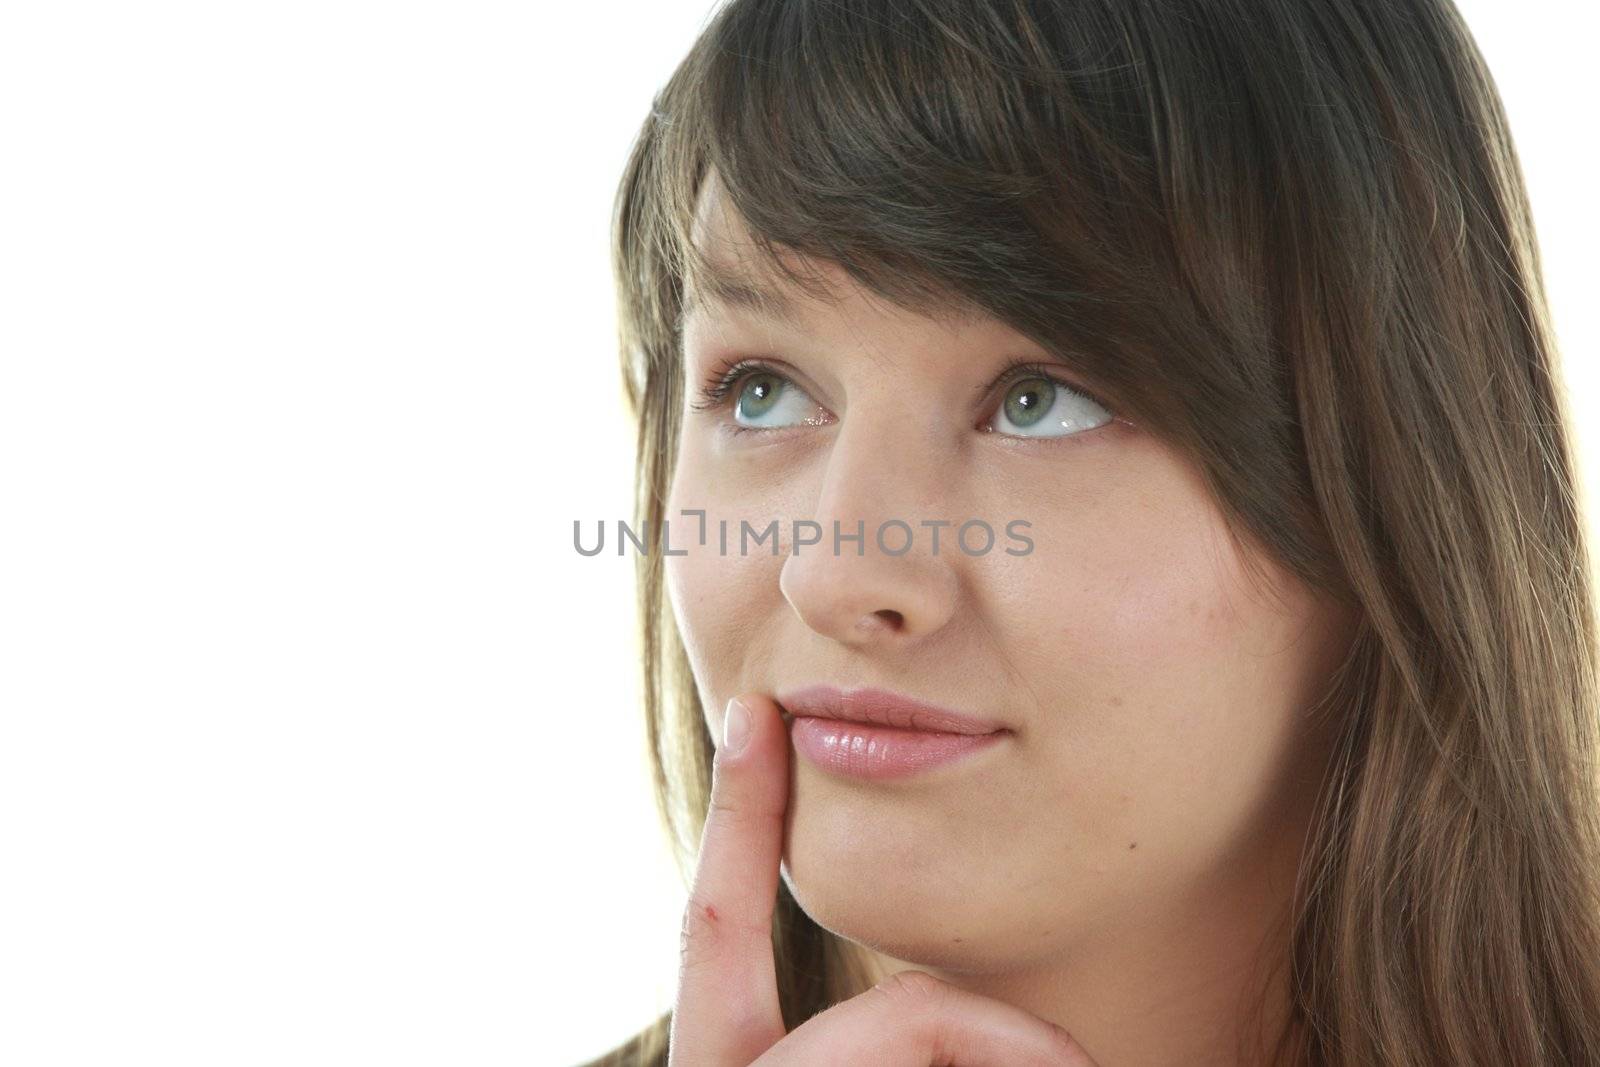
1292 238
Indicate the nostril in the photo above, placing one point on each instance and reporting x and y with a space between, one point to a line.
877 625
890 618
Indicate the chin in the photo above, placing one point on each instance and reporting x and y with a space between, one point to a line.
909 913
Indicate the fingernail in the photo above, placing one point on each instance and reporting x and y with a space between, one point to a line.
735 727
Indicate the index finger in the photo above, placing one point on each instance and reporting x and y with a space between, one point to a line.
726 1011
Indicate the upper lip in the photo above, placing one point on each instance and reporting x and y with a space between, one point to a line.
882 708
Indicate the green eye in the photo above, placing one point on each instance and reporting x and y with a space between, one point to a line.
1029 400
758 396
1038 406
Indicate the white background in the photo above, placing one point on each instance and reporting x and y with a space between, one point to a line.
318 741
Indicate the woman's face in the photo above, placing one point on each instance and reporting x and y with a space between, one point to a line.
1155 697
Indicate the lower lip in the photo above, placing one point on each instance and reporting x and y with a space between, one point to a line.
861 750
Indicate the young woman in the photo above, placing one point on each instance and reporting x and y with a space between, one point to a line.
1270 710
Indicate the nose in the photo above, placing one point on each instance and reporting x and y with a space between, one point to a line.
886 586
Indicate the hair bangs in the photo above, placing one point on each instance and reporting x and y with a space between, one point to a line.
955 172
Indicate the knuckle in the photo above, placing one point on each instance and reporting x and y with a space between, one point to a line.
1060 1048
725 806
914 990
734 809
1066 1045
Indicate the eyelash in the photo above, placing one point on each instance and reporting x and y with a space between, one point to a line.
714 393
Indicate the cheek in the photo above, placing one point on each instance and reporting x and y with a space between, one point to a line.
1166 688
717 599
720 592
1127 601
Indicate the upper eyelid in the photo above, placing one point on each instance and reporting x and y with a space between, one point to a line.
722 381
731 371
1025 369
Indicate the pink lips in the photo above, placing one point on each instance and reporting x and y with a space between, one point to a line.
875 734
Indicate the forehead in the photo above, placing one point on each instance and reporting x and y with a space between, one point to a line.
732 274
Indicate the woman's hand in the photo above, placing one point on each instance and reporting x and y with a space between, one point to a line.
727 1014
